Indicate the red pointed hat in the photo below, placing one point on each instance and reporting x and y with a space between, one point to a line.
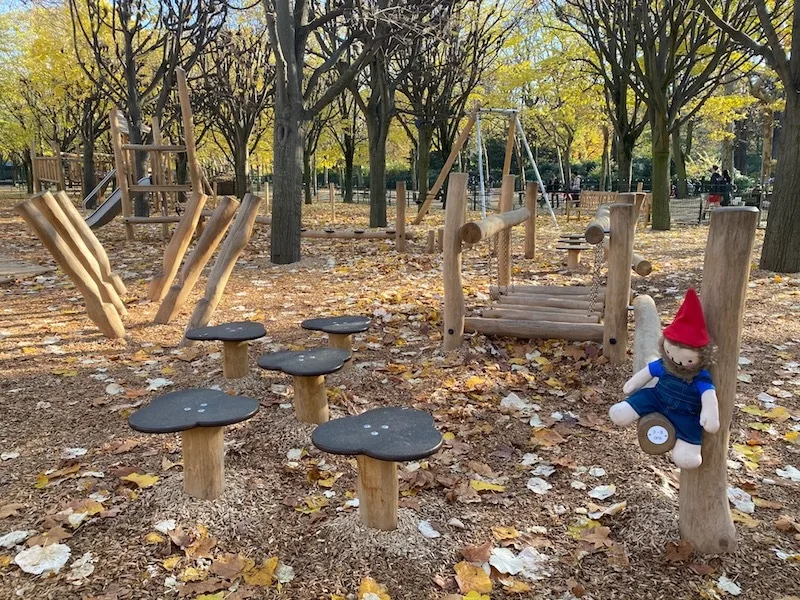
689 326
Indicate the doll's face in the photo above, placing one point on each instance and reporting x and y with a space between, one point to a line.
681 356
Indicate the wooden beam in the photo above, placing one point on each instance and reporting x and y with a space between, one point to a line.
504 236
548 290
121 166
459 143
378 489
620 249
705 517
531 196
597 227
351 234
454 306
188 130
598 309
581 332
538 300
475 231
538 315
157 147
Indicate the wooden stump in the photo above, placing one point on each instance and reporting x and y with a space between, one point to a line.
310 399
573 259
429 247
203 462
235 362
341 340
377 492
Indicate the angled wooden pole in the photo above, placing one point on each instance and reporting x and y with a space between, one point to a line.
705 518
454 307
121 165
615 322
400 217
188 131
462 138
37 185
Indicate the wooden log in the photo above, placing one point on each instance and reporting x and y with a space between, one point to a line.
176 249
188 130
262 220
504 236
454 306
429 247
641 266
537 315
51 210
378 489
620 249
400 217
203 462
237 239
179 292
91 241
120 163
310 399
462 138
548 290
531 195
103 314
235 362
476 231
155 147
545 330
705 518
538 300
351 234
597 312
599 225
646 333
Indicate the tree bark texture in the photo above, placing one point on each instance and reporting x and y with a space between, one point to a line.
660 147
287 186
680 163
425 132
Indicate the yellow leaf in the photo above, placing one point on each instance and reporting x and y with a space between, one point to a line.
779 414
141 481
41 481
474 382
193 574
5 560
167 370
449 436
217 596
171 562
760 426
792 437
511 585
311 505
778 279
153 538
576 530
372 590
505 533
471 578
553 382
754 410
264 575
744 519
337 597
542 360
64 372
483 486
29 350
473 595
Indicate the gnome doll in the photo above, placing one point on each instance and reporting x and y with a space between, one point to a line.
677 385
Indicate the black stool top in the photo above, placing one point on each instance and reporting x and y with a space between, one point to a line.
345 324
240 331
187 409
392 433
305 363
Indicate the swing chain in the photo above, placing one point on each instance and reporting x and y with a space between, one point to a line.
598 261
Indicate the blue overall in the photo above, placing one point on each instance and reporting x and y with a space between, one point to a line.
676 399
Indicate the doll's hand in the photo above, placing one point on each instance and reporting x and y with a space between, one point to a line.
629 387
709 419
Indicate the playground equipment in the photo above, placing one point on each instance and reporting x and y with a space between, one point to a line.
571 313
80 255
234 338
705 517
474 120
64 168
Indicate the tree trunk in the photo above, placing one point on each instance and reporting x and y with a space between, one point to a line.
26 162
766 151
781 251
660 184
604 161
349 157
377 131
680 163
88 180
287 183
424 160
307 176
624 164
241 169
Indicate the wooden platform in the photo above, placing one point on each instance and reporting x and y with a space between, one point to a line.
11 270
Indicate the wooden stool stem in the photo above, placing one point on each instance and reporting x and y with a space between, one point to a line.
573 259
234 360
341 340
377 492
203 462
310 399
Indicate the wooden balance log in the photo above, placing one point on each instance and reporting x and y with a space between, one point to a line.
200 415
234 337
379 439
308 369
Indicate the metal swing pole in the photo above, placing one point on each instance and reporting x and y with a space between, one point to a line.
535 170
480 163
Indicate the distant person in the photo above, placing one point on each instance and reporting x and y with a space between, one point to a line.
715 187
552 189
575 189
726 188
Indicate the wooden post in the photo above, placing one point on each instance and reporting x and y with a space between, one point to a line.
504 237
176 249
332 198
120 163
531 194
51 210
310 399
234 360
267 199
91 241
157 174
378 489
179 292
400 218
615 334
454 307
705 518
512 128
429 247
59 174
203 462
103 314
343 341
37 184
640 186
237 239
188 131
462 138
440 240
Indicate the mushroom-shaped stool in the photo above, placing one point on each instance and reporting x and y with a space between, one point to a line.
200 416
340 330
234 338
380 438
308 369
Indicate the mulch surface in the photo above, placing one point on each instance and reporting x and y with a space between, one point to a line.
66 392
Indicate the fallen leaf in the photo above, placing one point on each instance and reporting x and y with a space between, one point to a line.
141 481
483 486
472 578
154 538
505 533
51 536
229 566
39 560
171 562
477 554
372 590
680 552
264 575
10 510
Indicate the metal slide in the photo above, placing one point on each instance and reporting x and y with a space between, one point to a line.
109 209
